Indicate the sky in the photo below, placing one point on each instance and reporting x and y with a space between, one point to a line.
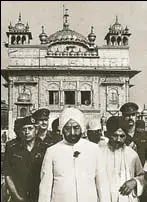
83 15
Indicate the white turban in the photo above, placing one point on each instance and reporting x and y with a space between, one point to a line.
71 113
94 124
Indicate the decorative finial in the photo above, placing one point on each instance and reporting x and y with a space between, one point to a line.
42 29
116 21
65 18
27 26
92 29
19 19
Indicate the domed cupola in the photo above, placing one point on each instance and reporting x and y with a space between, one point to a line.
92 37
19 34
117 35
66 35
43 36
117 27
19 27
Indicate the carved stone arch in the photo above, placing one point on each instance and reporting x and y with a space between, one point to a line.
18 39
125 41
53 86
113 40
119 40
23 39
86 86
113 95
13 39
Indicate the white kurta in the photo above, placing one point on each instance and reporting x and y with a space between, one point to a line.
122 165
65 178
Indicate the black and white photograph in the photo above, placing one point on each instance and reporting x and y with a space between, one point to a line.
73 101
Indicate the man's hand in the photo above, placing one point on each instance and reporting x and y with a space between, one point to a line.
21 199
128 187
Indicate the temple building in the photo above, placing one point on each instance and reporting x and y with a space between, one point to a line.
67 69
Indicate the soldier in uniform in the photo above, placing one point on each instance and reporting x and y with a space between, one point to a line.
41 117
17 131
23 162
129 112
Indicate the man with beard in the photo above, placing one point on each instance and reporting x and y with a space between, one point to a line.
129 112
123 167
72 170
41 117
22 164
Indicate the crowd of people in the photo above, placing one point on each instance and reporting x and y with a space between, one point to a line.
65 165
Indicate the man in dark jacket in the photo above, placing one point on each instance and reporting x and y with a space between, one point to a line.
135 138
22 164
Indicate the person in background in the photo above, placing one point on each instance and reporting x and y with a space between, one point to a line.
94 131
22 163
72 169
140 139
123 166
41 117
129 112
55 131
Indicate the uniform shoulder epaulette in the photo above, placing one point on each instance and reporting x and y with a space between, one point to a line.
11 143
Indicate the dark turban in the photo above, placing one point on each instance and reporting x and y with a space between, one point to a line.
116 122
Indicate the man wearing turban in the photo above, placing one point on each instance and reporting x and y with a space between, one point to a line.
123 166
72 169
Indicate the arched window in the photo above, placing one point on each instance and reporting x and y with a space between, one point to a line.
113 96
125 41
119 40
113 40
13 40
18 39
23 40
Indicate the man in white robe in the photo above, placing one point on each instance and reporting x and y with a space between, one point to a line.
123 166
72 170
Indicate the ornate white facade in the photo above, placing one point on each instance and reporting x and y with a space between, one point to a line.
67 69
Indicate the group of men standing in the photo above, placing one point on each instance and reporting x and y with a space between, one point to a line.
45 166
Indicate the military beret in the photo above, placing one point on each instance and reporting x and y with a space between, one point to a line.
129 108
28 120
116 122
41 114
17 124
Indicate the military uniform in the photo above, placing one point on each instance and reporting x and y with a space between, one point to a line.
43 114
24 168
140 139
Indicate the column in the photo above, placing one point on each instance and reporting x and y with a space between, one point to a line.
61 94
10 110
127 90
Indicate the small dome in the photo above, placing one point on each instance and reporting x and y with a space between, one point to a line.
117 27
19 27
43 36
67 35
92 36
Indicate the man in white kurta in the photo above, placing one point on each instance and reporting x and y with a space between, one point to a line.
123 166
72 170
